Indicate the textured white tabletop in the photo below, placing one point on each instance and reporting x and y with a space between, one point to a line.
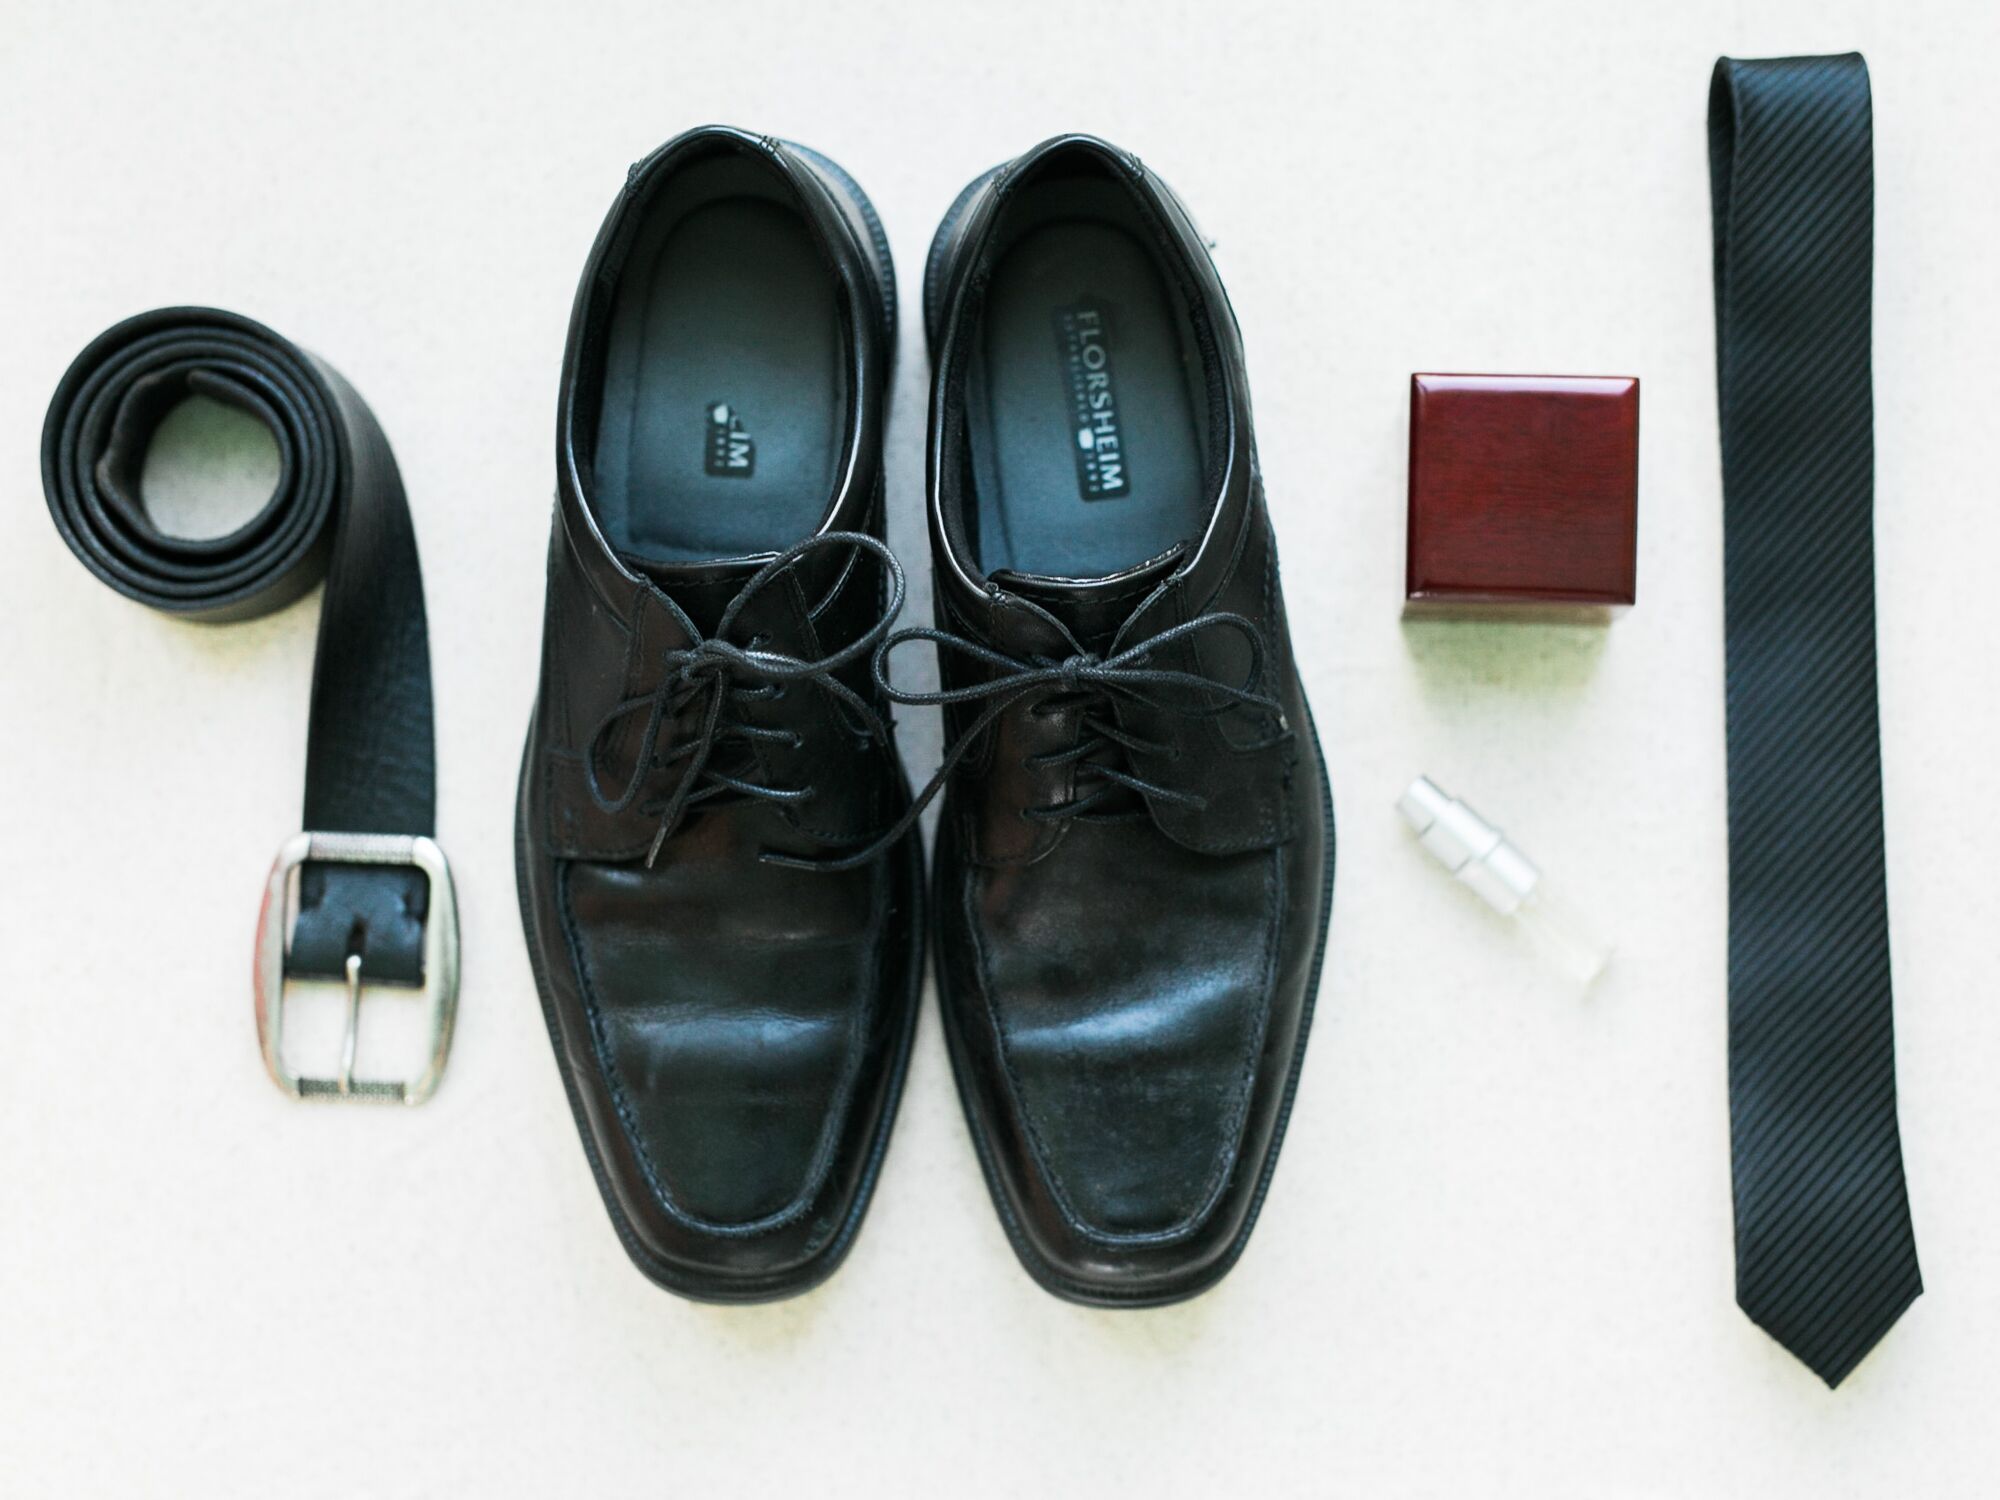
1496 1260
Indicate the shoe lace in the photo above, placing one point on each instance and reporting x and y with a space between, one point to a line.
704 684
1092 684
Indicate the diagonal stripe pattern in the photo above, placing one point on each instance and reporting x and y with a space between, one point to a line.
1825 1257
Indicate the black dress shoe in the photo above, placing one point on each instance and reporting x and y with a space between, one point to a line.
1136 855
729 953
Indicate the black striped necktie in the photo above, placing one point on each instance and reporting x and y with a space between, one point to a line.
1825 1257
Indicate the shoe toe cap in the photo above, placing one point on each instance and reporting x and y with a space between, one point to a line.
739 1069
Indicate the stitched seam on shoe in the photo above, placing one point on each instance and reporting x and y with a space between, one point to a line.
869 763
794 594
823 1151
1274 817
1274 611
558 650
1226 1157
972 772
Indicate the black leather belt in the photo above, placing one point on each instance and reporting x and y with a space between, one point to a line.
365 894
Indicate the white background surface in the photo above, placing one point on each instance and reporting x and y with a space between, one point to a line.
1496 1259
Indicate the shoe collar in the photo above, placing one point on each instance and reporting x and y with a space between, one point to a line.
1198 569
855 497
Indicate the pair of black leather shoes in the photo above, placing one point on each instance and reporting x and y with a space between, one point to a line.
719 862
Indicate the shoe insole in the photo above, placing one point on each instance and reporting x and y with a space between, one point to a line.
724 407
1089 460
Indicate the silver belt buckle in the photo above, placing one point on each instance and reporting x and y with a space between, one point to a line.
439 990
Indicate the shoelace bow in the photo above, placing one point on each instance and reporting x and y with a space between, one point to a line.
715 673
1090 682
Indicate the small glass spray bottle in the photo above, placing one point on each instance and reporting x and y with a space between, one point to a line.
1478 855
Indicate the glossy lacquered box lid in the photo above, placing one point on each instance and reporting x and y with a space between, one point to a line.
1523 489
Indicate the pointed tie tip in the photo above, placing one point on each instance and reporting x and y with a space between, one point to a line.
1833 1346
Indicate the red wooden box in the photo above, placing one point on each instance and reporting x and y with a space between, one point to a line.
1524 490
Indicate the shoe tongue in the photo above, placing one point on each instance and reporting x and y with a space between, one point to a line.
1092 609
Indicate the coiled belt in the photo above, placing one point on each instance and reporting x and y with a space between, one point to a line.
372 897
